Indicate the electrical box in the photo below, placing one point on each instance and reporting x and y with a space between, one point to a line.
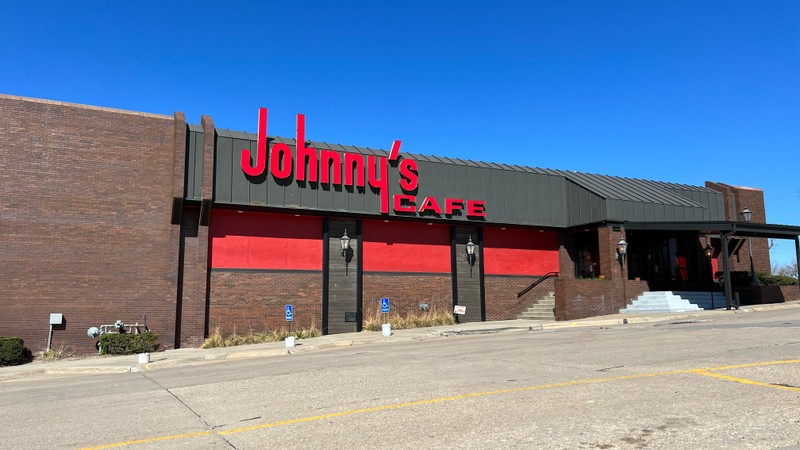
56 318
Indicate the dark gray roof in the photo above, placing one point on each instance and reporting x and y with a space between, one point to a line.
632 189
606 186
521 195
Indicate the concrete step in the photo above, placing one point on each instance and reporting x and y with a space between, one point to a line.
659 301
543 310
704 300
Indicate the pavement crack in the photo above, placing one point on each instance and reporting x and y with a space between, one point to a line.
199 417
606 369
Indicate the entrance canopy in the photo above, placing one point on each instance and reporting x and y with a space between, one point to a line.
725 230
759 230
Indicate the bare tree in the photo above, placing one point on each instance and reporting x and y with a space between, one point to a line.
788 269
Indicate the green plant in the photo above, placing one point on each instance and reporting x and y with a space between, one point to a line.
128 344
13 351
217 339
775 280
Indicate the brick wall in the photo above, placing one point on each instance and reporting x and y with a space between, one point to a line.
406 291
788 294
576 299
85 220
256 300
752 199
192 326
501 295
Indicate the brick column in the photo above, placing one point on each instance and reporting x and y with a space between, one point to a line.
566 263
194 236
610 266
178 174
737 198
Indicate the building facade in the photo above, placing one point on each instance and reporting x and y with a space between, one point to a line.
115 215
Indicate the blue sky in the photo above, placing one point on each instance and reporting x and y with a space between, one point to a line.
680 91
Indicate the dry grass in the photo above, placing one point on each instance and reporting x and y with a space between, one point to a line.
432 318
217 339
54 354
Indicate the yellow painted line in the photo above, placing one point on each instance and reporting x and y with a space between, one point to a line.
446 399
150 440
704 371
745 380
758 364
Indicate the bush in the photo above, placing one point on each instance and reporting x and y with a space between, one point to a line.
128 344
13 351
775 280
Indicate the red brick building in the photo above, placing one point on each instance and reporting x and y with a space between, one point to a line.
115 215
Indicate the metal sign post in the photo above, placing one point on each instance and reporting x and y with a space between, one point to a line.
386 328
290 317
385 307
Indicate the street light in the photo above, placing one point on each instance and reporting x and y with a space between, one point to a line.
747 215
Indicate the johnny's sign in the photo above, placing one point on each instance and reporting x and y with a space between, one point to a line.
358 169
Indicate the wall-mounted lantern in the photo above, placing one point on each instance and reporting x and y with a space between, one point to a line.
709 250
747 215
470 255
622 250
345 241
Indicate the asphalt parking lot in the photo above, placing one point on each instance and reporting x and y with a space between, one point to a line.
706 381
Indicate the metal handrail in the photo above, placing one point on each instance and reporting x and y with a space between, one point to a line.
536 283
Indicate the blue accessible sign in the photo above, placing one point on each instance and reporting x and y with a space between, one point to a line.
289 314
385 305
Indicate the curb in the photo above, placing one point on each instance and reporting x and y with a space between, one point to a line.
198 356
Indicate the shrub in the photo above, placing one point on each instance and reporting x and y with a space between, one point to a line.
217 339
13 351
775 280
128 344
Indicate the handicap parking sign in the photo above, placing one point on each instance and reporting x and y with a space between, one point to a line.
289 314
385 305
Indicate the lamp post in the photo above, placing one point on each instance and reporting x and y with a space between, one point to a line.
747 215
470 255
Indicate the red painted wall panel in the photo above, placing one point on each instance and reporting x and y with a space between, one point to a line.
519 252
405 247
249 240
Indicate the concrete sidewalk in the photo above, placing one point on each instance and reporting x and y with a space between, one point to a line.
190 356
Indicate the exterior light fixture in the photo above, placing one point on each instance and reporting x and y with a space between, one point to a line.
622 250
709 250
747 215
345 241
470 255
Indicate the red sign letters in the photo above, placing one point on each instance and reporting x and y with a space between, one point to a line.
358 170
